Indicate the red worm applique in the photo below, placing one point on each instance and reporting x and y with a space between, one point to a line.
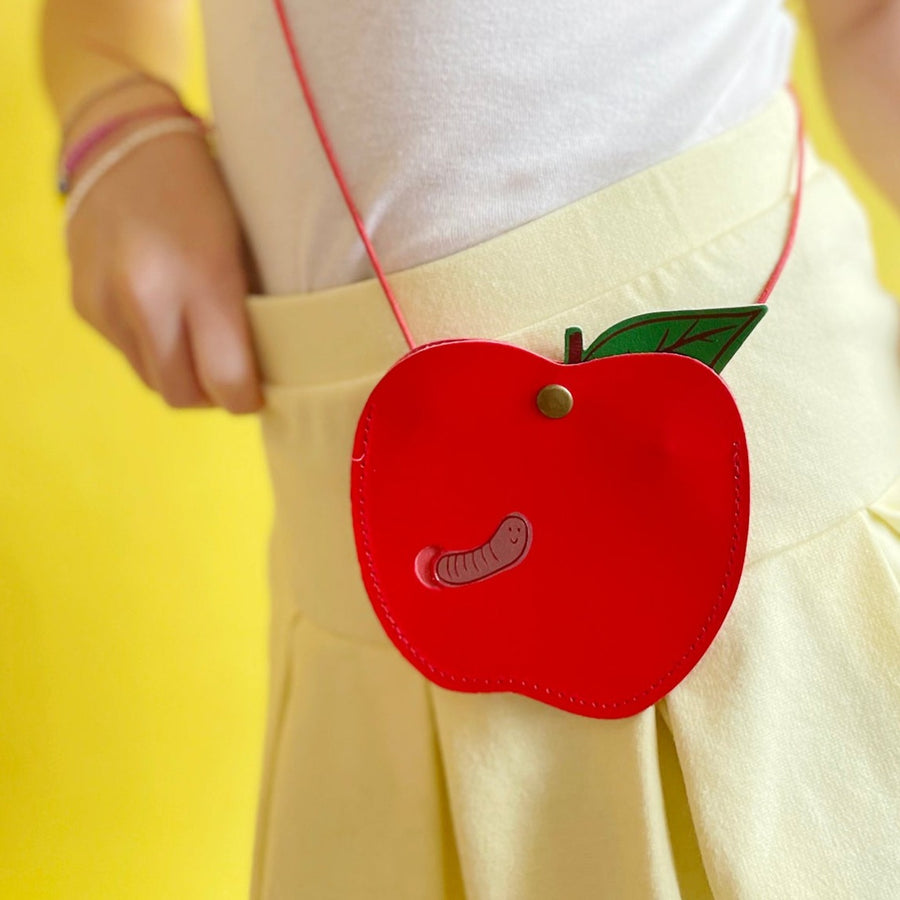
506 548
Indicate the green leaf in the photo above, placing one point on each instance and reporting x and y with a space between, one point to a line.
711 336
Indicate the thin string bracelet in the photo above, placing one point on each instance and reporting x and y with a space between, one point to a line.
70 159
107 90
116 154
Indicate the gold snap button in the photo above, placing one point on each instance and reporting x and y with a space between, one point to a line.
554 401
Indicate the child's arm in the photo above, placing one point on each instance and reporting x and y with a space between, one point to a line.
158 262
87 44
859 50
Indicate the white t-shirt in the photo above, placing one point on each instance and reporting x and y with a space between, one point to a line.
456 120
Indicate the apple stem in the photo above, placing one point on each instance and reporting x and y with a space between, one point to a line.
574 345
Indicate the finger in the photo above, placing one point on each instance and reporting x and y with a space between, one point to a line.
162 344
128 344
223 352
122 338
99 311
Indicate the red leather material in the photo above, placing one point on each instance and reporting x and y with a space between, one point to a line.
636 505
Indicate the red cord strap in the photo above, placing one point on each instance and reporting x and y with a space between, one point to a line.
367 243
326 144
795 208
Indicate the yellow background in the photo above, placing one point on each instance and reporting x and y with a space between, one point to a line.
132 565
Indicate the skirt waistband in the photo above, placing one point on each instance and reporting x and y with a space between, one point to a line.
540 268
817 384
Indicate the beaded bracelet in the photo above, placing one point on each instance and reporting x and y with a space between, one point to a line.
71 158
119 151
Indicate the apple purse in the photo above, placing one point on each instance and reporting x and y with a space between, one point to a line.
573 530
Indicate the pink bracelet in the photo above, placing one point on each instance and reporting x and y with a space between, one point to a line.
76 154
106 90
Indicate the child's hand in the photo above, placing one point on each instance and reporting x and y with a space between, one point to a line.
159 267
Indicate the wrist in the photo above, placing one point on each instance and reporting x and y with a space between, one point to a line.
109 120
114 96
120 108
112 156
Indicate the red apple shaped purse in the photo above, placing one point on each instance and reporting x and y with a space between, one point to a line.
509 574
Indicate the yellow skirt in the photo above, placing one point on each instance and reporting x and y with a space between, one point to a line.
772 770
